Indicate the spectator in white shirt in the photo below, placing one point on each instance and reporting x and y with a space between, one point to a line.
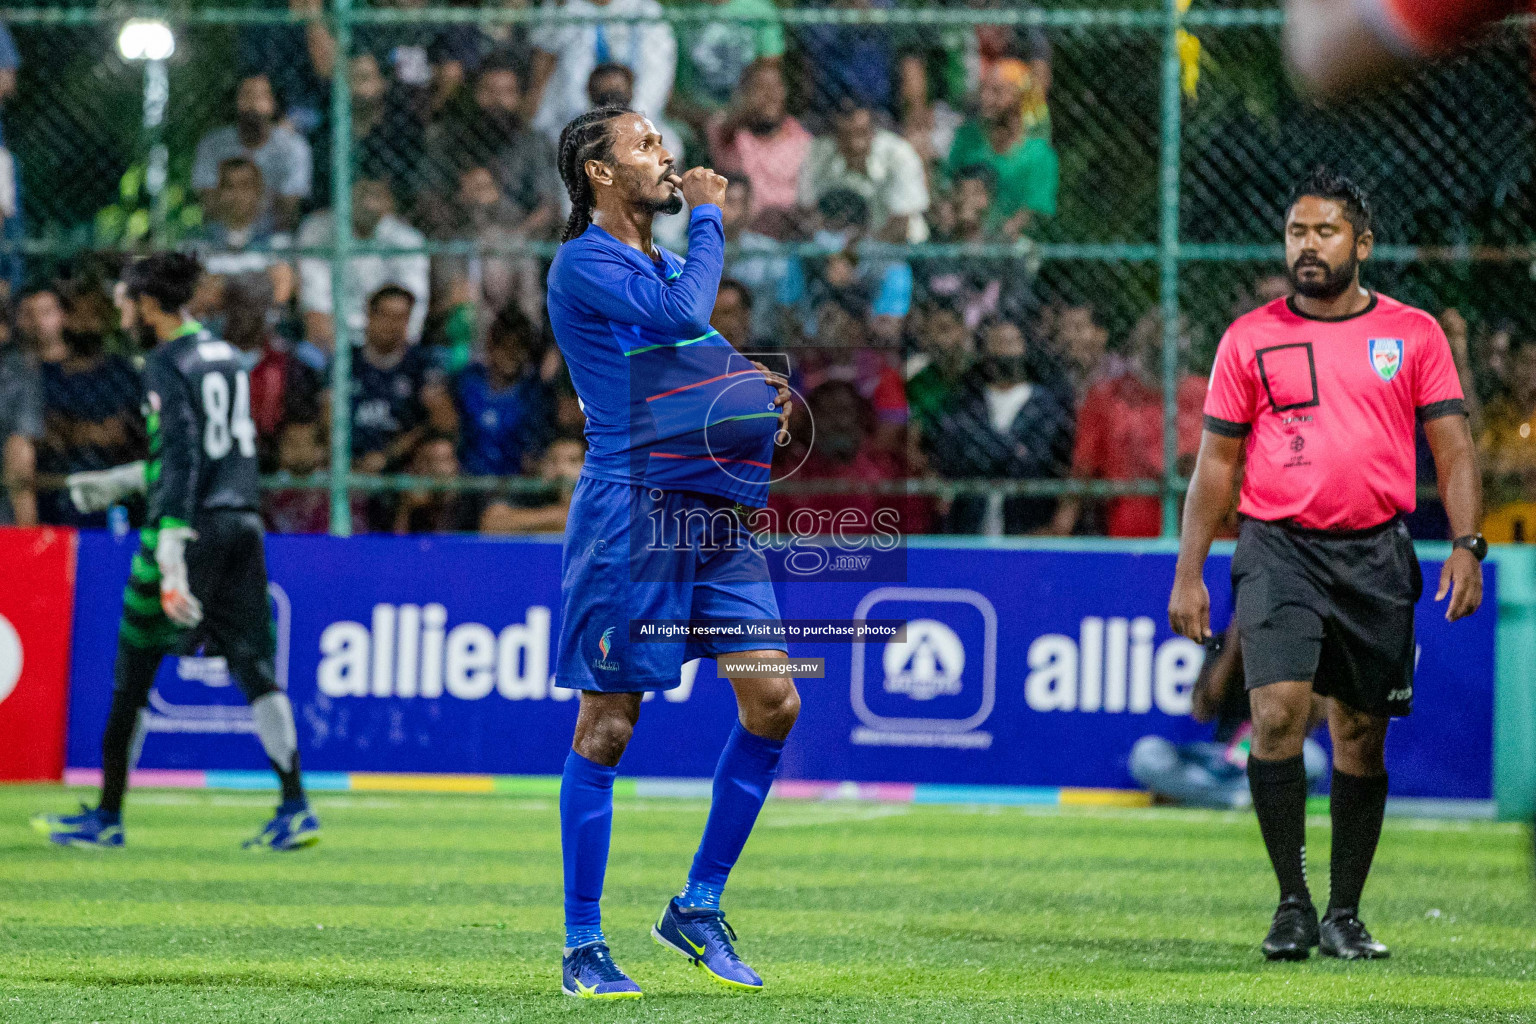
236 238
876 163
565 55
373 224
282 154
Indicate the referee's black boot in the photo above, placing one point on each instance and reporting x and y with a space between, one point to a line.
1293 932
1343 935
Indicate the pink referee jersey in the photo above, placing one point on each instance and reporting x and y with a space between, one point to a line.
1328 409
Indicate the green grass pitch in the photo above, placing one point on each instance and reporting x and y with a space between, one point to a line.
447 908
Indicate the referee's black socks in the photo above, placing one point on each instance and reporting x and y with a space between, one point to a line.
1279 791
1357 805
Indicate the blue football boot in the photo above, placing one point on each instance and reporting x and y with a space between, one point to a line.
704 937
588 972
89 828
291 828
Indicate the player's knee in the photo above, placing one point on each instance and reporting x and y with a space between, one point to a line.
255 677
133 675
603 729
774 709
1279 726
1359 743
605 740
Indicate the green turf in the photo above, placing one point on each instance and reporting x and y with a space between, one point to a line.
437 908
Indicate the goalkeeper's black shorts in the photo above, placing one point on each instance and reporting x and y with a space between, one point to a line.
227 572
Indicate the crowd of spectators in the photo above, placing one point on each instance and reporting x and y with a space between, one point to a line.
947 363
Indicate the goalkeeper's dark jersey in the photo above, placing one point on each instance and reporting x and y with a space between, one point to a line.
202 440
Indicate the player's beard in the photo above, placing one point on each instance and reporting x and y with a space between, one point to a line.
1335 282
671 204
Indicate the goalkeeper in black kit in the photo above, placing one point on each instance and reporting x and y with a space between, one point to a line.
199 578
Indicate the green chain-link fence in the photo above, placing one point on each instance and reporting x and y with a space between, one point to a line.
1139 209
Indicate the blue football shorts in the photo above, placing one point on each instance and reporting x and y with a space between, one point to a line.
635 552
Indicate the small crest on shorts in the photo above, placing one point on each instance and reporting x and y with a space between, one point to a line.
1386 356
604 646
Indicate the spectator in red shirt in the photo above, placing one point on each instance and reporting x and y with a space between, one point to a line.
847 351
758 138
1120 435
1082 345
301 450
283 389
845 449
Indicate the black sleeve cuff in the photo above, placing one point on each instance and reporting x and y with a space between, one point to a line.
1434 410
1226 428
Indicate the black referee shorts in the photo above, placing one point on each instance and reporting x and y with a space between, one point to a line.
1333 609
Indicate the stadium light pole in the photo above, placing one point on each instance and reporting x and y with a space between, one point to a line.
152 41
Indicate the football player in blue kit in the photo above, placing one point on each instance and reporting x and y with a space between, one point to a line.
680 432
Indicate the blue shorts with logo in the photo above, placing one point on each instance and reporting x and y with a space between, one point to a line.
634 552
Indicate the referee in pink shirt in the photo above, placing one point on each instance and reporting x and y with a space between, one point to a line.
1319 394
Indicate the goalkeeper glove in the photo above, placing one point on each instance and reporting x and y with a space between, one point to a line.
99 490
175 592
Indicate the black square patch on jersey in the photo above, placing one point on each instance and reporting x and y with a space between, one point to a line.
1289 374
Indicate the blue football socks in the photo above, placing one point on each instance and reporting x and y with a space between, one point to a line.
700 896
746 771
586 824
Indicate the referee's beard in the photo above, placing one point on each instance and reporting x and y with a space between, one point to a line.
1334 282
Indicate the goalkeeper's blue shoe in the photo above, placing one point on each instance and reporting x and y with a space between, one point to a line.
704 937
90 828
289 829
588 972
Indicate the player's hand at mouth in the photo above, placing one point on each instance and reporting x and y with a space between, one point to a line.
700 185
783 398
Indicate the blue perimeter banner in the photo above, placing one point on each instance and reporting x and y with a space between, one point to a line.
1021 667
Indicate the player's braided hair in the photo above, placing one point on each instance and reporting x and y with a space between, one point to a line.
588 137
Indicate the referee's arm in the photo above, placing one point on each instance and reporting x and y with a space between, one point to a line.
1205 507
1461 491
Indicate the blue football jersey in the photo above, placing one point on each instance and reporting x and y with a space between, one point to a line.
669 403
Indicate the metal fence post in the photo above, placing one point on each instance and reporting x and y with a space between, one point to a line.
341 259
1168 259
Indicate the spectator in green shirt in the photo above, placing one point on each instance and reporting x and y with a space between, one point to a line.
1026 166
942 350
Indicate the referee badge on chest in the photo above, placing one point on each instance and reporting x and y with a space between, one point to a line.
1386 357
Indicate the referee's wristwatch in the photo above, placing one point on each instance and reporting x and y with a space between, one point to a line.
1474 543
